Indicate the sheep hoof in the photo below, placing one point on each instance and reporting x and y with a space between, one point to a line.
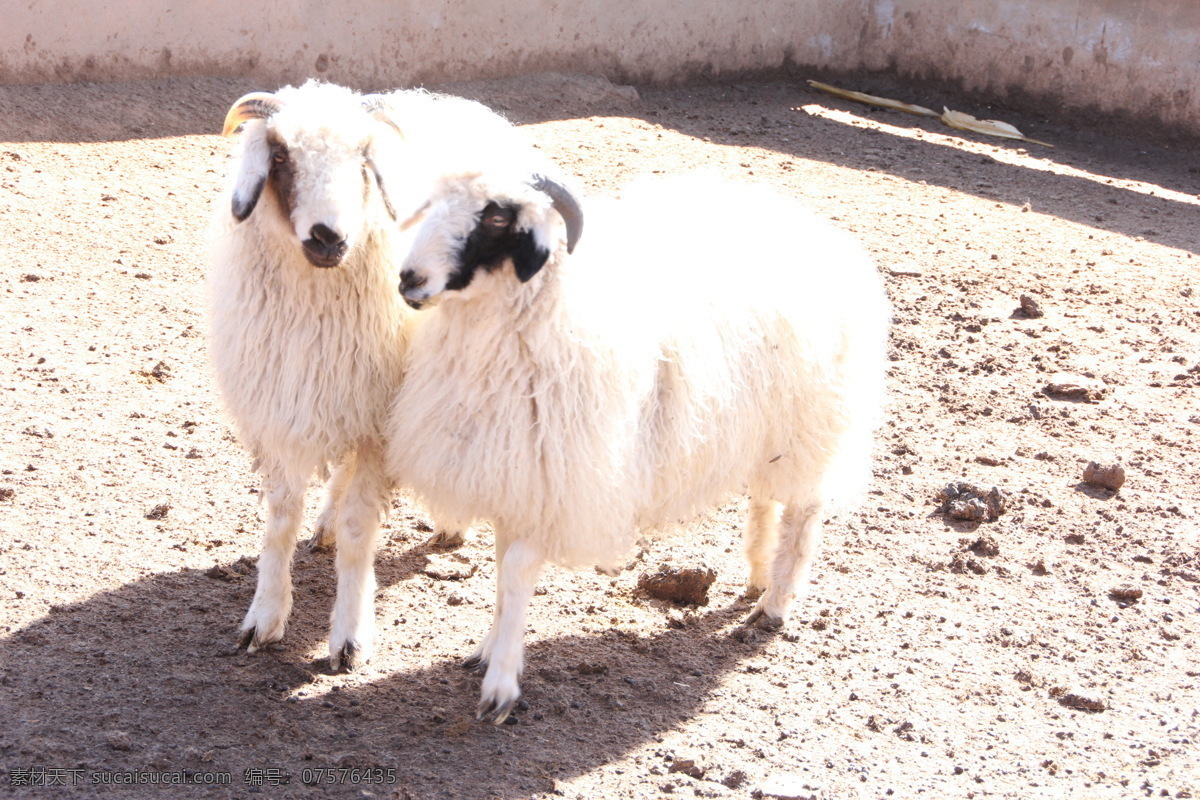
323 540
250 640
346 658
753 592
496 713
761 619
445 540
475 663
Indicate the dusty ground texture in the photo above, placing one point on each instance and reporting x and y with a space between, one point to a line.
1051 652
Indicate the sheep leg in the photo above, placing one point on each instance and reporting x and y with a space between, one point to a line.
762 534
479 660
324 532
517 575
352 622
268 615
799 538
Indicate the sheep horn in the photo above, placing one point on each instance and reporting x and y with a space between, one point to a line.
376 104
256 105
565 204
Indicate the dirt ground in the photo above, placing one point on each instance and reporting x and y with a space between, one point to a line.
1051 652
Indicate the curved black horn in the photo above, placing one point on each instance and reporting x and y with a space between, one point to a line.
256 105
565 204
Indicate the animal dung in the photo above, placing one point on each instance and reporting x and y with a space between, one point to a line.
1108 476
678 584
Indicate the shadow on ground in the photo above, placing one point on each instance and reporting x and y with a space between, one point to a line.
1078 181
145 678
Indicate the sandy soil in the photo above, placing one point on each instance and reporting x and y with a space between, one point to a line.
1048 653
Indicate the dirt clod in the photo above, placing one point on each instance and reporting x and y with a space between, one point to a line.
963 563
1108 476
687 585
1074 388
688 767
160 511
964 501
1030 307
120 740
1125 593
1083 701
985 546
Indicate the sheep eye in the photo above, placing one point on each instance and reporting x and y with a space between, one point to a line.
279 156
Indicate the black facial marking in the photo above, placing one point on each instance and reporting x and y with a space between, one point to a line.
282 176
494 240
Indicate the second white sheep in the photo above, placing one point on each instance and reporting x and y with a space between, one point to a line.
707 338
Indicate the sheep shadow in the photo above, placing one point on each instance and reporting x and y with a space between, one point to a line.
145 678
764 110
779 112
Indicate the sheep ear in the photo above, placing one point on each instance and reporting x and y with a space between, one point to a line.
252 176
529 256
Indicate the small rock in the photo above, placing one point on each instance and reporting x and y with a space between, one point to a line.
786 787
1074 538
1108 476
1063 386
41 433
230 572
985 546
7 493
734 779
678 584
584 668
159 511
1125 593
688 767
120 740
963 563
1083 701
1030 308
960 500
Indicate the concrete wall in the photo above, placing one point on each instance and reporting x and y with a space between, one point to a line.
1136 56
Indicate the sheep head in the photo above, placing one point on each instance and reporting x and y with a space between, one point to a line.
314 151
471 226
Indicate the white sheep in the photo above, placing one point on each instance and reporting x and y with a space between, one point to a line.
707 338
308 332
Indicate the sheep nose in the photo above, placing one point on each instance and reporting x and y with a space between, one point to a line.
326 246
325 235
410 288
411 280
